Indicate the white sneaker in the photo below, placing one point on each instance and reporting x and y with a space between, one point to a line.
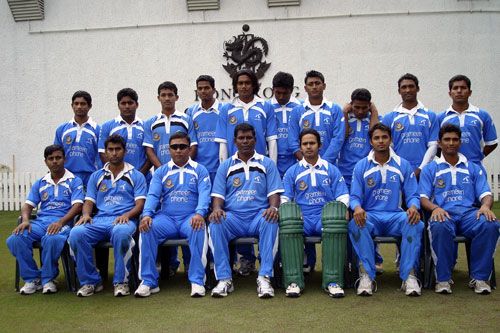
443 287
334 290
145 291
49 288
411 286
89 290
293 290
31 287
264 288
197 290
365 285
223 288
121 289
480 287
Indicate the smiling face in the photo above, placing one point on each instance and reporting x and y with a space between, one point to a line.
380 141
179 151
408 90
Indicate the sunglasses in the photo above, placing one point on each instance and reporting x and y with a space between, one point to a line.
181 146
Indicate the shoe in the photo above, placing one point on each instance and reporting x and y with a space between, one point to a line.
145 291
223 288
247 267
480 287
307 269
197 290
379 269
292 290
412 286
365 285
49 288
443 287
89 290
334 290
31 287
172 270
121 289
264 288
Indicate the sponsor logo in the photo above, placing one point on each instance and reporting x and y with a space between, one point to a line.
466 180
236 182
393 178
257 180
326 181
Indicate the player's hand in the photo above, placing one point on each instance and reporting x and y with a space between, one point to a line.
145 224
373 110
413 215
488 214
197 222
347 108
271 214
359 216
217 215
121 220
21 227
439 215
83 220
54 228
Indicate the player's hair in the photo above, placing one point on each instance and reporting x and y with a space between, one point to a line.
127 92
361 94
459 77
207 78
83 94
115 138
314 73
49 150
283 80
310 131
167 85
180 135
251 75
244 127
408 76
449 128
379 126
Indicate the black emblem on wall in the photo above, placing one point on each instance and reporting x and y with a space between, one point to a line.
246 51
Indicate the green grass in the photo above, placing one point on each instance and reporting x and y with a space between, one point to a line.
173 310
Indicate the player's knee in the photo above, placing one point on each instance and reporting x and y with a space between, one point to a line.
77 234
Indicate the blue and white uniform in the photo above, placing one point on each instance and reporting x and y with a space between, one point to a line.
256 113
327 119
478 130
113 197
377 189
455 188
245 189
55 201
80 147
414 132
182 192
205 125
157 130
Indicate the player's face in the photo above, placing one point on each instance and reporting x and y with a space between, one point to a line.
127 107
80 107
450 143
309 146
205 91
360 109
408 91
459 92
282 95
245 142
314 87
115 153
55 162
179 151
380 141
244 87
167 98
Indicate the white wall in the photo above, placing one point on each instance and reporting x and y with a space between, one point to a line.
103 46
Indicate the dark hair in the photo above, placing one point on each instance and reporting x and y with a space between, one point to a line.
310 131
49 150
379 126
459 77
251 75
127 92
180 135
361 94
115 138
408 76
244 127
283 80
313 73
167 85
207 78
85 95
449 128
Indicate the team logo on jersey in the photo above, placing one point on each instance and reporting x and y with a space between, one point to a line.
196 125
440 183
156 136
236 182
398 126
45 196
370 182
306 124
232 120
68 139
103 187
302 185
169 183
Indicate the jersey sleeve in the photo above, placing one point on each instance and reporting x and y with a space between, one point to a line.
91 193
410 186
434 130
289 185
192 132
339 187
103 135
426 182
357 186
489 131
140 188
337 135
294 129
33 198
481 186
387 120
154 194
273 181
219 185
57 136
148 134
204 187
271 124
221 129
77 195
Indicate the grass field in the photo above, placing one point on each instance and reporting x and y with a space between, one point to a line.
172 309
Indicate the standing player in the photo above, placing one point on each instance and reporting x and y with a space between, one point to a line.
79 138
378 182
60 195
118 192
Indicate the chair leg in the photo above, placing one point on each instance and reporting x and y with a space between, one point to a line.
65 258
493 278
18 277
102 262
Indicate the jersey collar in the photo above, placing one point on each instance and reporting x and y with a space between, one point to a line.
256 156
89 121
392 156
461 159
214 108
400 109
256 99
319 163
324 102
126 168
190 163
67 175
120 120
176 113
471 108
292 100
